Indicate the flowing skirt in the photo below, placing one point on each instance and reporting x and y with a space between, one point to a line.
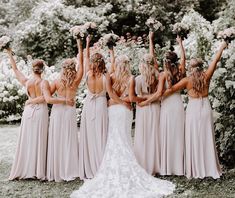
172 135
93 135
62 158
201 156
120 175
146 141
30 158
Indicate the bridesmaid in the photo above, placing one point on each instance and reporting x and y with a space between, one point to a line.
146 141
172 115
30 158
201 158
94 120
62 156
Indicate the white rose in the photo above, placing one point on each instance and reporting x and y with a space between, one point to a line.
5 99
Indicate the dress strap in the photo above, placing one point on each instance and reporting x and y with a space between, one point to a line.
104 82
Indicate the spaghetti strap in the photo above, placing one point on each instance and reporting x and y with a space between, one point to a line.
104 83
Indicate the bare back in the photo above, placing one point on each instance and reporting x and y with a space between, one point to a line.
192 93
95 83
68 92
34 87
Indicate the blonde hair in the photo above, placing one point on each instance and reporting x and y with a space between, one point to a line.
38 66
98 64
69 72
198 75
122 73
172 68
147 69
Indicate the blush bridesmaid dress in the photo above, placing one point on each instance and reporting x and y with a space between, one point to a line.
30 157
146 140
93 132
201 156
172 137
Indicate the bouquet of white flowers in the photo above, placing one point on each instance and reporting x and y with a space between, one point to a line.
154 25
5 42
91 27
81 31
181 29
228 34
109 40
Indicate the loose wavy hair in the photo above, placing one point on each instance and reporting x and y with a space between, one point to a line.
97 64
147 69
171 66
122 73
69 72
198 75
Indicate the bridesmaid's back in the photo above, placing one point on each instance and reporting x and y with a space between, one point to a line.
34 88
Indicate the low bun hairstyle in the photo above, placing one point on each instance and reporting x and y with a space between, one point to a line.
38 66
147 69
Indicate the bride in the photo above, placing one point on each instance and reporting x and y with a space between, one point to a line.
120 175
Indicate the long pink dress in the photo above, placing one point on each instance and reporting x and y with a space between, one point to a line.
93 133
30 157
172 138
201 156
62 157
146 141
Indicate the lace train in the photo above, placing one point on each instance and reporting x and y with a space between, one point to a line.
120 175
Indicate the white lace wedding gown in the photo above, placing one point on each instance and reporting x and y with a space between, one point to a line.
120 175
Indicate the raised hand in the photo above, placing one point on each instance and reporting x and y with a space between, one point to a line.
179 39
224 44
88 38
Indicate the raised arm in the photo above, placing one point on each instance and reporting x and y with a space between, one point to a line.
151 48
19 75
182 55
80 66
112 57
87 54
210 71
132 94
51 100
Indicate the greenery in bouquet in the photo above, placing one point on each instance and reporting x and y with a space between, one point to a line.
181 29
228 34
109 40
5 42
154 25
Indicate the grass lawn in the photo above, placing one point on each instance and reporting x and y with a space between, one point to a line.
223 187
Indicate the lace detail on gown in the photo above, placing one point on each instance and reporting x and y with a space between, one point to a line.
120 176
